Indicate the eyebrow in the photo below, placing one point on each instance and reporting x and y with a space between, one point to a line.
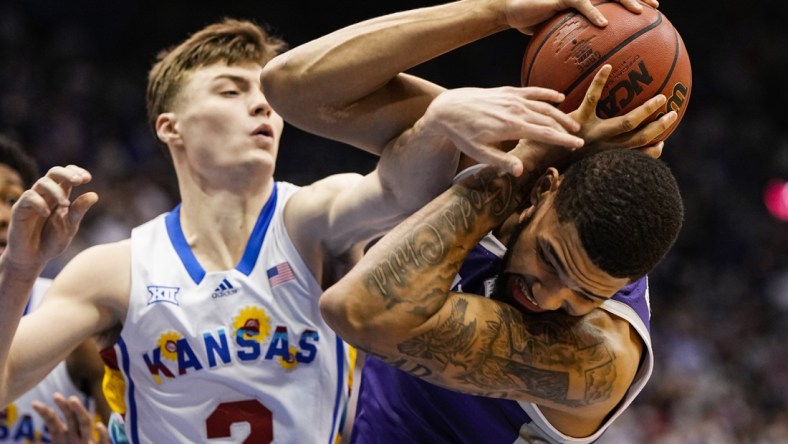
233 78
549 253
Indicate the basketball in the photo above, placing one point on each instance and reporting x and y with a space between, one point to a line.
645 50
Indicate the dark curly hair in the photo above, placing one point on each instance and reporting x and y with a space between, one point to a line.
626 207
12 154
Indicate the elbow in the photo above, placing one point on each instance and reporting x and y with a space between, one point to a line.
279 81
353 320
337 314
275 80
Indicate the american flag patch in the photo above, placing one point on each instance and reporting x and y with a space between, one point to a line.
280 274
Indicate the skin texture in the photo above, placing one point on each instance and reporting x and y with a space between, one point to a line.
84 366
211 132
223 137
576 363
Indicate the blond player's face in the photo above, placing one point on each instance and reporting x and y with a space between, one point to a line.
225 121
11 187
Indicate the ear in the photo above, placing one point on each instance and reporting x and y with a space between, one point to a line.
167 128
545 185
526 214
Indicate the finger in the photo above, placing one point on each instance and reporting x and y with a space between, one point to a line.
643 136
72 174
491 155
71 421
65 178
550 136
653 3
542 94
69 176
554 116
658 127
52 191
633 119
654 151
79 207
56 427
103 434
594 92
591 13
80 413
633 6
30 200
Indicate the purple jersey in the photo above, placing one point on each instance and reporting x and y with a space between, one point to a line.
394 407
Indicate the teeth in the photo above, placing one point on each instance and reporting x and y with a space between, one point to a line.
527 294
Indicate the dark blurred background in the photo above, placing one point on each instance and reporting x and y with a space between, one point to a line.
72 80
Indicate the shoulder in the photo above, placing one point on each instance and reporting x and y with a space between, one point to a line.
308 212
617 353
324 221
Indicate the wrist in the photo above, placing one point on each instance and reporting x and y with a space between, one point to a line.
19 271
493 12
536 157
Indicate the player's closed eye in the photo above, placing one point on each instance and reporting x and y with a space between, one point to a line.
545 264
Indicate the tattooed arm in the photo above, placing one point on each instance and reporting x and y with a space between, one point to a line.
396 302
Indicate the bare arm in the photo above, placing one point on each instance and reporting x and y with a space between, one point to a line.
396 302
79 312
349 85
43 222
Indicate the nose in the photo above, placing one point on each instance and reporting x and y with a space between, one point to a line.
260 105
551 295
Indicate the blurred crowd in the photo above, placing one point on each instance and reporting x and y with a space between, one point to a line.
72 90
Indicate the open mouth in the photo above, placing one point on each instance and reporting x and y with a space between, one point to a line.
263 130
521 292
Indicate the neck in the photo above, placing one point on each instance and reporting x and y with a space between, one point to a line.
217 225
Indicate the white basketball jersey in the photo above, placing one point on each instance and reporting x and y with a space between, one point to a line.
19 423
240 355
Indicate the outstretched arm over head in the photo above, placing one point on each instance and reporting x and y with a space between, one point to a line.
350 85
397 304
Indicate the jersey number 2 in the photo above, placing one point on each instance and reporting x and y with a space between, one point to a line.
252 412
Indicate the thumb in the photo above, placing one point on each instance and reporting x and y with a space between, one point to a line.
506 163
80 206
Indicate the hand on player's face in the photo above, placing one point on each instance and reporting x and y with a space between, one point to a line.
44 220
479 120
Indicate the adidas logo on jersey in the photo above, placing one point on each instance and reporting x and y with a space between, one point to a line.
225 288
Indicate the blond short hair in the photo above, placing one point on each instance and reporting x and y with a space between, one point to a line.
229 41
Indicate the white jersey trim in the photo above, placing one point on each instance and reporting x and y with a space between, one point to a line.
540 423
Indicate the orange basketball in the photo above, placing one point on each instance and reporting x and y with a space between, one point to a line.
647 54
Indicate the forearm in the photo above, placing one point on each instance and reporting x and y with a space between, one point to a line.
406 277
16 283
357 68
384 46
418 166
